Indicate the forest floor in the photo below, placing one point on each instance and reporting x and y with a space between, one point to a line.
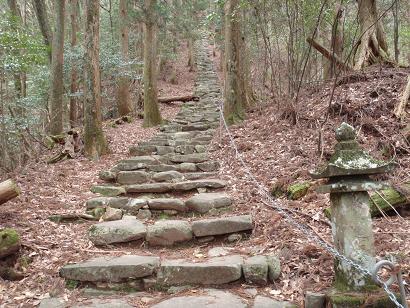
273 148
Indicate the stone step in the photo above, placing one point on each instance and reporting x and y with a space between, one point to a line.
179 186
199 203
166 232
173 272
111 269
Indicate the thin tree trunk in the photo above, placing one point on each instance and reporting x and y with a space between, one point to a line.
74 101
95 144
373 45
152 115
42 17
236 96
191 60
57 61
337 38
396 30
123 92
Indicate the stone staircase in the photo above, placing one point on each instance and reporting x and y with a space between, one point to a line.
169 194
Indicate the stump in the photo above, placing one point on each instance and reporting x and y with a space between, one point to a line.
8 191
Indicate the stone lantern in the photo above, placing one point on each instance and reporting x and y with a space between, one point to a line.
348 172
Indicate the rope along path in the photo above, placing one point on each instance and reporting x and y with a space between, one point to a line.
301 227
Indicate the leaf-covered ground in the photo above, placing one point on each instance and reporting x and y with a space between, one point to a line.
272 147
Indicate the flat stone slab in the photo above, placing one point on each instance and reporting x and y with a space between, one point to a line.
212 299
169 232
215 271
167 204
132 177
266 302
205 183
119 231
129 205
208 166
224 225
149 188
168 176
111 269
189 158
90 303
255 270
108 191
203 203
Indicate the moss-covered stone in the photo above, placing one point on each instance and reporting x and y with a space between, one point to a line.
297 190
353 300
9 242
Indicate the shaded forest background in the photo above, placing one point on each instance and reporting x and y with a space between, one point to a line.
44 61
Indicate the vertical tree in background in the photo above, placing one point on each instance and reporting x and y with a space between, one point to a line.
337 38
123 92
373 44
42 17
152 115
237 96
57 61
74 104
95 144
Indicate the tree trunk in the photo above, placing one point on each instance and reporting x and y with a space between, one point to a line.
123 92
396 12
152 115
8 191
191 60
74 101
236 96
95 144
41 13
184 98
57 61
373 45
326 53
399 111
337 39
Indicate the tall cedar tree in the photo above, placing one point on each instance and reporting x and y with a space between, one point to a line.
57 61
123 92
152 115
74 102
95 144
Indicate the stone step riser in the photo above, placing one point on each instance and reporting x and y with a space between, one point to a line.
167 232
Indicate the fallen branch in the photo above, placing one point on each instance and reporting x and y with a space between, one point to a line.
8 191
329 55
72 144
59 218
186 98
401 107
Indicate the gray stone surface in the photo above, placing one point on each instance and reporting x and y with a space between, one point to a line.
108 176
149 188
108 191
111 269
168 176
169 232
203 203
274 267
189 158
119 231
255 270
224 225
167 204
144 214
142 150
53 302
219 251
112 214
266 302
186 167
208 166
215 271
103 303
211 299
315 300
129 205
205 183
132 177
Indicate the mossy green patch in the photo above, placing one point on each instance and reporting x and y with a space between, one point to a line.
297 190
9 241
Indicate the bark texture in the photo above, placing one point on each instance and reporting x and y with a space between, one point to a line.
41 13
237 90
95 144
152 116
123 92
74 101
8 191
57 61
373 45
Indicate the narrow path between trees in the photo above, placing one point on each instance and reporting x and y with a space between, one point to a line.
168 199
